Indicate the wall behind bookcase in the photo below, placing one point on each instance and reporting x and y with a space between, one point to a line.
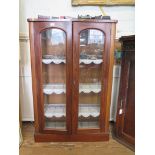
31 9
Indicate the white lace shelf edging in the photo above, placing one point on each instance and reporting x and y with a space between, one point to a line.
54 89
59 88
55 61
54 110
59 110
87 88
89 61
58 61
87 110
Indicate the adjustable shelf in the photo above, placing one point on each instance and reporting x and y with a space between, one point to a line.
90 87
61 88
47 59
85 61
54 89
55 115
54 110
89 61
87 110
55 61
59 110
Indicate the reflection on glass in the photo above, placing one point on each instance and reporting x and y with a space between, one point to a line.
53 43
90 74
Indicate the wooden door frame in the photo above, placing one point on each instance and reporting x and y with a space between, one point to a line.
119 126
36 59
109 30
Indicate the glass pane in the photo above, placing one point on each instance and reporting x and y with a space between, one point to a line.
54 77
90 65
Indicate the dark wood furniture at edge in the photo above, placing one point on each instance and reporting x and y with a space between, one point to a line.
125 121
72 28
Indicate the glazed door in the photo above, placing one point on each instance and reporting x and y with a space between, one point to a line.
54 66
90 61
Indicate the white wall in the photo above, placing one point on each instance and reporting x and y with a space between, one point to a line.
25 81
31 9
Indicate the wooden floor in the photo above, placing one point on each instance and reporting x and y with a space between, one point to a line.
29 147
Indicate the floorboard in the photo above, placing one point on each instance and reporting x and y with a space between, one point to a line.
29 147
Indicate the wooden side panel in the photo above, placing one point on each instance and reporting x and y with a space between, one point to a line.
33 69
110 69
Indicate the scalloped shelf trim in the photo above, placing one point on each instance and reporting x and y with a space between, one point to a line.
59 110
59 89
87 110
54 110
59 61
88 114
89 91
54 89
55 61
88 88
89 61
